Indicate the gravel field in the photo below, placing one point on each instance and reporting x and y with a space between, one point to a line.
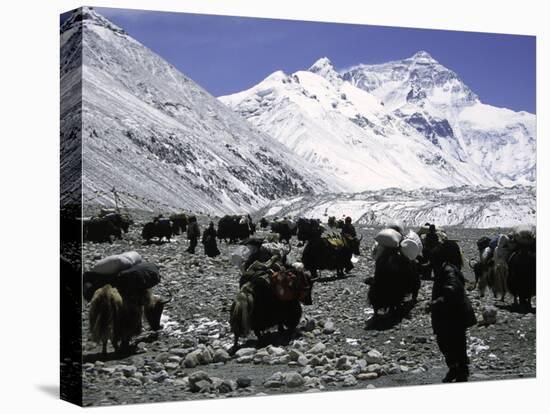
333 349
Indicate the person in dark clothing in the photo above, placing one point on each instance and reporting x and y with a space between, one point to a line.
451 312
348 231
193 234
209 241
432 238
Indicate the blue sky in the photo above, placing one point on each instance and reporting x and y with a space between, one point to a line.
228 54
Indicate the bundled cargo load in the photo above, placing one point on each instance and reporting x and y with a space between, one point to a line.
125 271
415 237
291 284
335 240
139 277
240 255
410 249
273 237
389 238
411 245
276 249
112 265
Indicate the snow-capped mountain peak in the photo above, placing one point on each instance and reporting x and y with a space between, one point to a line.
88 16
437 103
348 133
324 67
357 123
422 55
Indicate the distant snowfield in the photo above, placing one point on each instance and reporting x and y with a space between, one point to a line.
473 207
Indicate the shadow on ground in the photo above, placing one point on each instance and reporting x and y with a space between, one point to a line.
384 322
51 390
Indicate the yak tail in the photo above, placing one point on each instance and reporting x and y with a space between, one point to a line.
484 281
103 308
500 278
241 311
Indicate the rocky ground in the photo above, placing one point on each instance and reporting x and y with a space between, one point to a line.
334 349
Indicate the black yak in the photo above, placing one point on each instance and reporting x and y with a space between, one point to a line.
179 223
235 228
284 228
260 304
480 267
99 230
522 277
395 276
159 228
332 253
122 221
307 229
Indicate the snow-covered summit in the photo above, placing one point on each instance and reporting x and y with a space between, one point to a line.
407 123
417 79
424 56
324 67
435 101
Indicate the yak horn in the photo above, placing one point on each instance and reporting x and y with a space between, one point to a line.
165 301
360 238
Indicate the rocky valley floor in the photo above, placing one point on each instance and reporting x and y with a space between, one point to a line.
335 348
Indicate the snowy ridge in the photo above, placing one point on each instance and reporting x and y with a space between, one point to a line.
473 207
150 131
406 124
433 99
348 133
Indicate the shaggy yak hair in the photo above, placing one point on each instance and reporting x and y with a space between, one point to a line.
160 229
118 317
256 309
522 281
319 254
395 276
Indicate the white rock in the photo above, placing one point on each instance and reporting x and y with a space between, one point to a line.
318 348
374 357
245 351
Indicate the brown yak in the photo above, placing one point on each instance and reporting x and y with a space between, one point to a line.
118 317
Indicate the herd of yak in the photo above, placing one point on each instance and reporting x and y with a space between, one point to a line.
272 288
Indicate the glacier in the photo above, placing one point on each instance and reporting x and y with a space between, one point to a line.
465 206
